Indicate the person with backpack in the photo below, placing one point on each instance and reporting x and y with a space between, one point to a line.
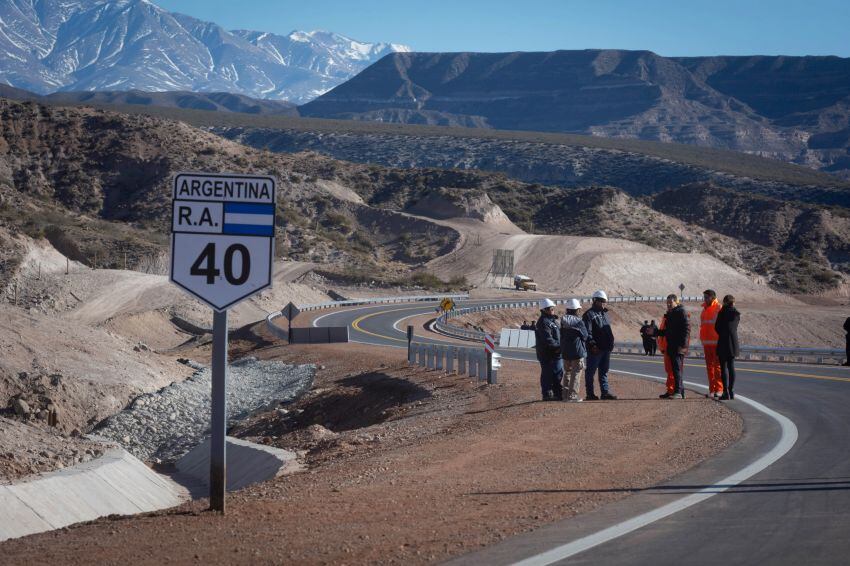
573 349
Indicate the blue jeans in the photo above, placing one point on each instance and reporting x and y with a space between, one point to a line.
600 361
551 377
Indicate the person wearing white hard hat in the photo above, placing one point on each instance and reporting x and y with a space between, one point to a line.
547 334
573 349
600 344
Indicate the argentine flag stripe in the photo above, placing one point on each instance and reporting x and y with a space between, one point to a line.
248 229
248 208
249 219
258 219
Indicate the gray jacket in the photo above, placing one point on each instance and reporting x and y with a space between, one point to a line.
573 337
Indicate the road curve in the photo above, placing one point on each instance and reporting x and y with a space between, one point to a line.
796 511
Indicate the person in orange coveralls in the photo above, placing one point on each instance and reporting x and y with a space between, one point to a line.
708 337
668 366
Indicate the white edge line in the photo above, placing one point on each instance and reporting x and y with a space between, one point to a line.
787 439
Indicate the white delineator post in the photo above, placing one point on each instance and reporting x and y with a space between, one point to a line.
489 348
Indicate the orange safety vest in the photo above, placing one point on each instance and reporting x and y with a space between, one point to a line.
662 340
707 334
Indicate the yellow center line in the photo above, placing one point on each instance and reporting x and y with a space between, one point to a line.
739 369
356 323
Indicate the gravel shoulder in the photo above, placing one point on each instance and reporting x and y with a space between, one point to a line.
409 466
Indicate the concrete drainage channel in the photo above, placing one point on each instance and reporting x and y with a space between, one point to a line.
168 426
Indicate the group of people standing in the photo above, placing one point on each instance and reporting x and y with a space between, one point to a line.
572 344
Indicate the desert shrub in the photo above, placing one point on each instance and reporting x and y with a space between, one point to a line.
338 220
362 242
427 280
458 282
824 276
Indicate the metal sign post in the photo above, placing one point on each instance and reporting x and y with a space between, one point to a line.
409 339
218 444
290 311
222 250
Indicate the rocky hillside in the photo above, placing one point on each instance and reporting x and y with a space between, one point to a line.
790 108
97 185
638 168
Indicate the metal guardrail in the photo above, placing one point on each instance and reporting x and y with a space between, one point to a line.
442 324
452 358
380 301
277 331
748 353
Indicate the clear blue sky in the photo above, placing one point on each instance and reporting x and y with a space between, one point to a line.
668 27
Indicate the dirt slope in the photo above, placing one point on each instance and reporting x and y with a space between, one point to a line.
580 265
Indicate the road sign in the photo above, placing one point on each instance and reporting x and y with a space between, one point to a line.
489 344
222 236
681 287
290 311
447 304
222 249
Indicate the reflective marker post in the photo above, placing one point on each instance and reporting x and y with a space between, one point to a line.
218 442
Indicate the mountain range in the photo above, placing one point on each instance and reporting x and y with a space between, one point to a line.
85 45
792 108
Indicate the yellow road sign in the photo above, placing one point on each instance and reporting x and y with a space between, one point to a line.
447 304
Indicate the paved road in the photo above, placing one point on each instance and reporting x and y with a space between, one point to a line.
796 511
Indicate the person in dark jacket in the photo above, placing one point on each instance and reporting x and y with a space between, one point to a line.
653 338
547 334
847 341
573 349
677 333
644 336
728 348
600 343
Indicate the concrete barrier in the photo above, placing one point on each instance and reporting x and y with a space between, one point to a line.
247 463
320 335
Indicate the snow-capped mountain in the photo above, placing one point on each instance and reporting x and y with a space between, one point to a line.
63 45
